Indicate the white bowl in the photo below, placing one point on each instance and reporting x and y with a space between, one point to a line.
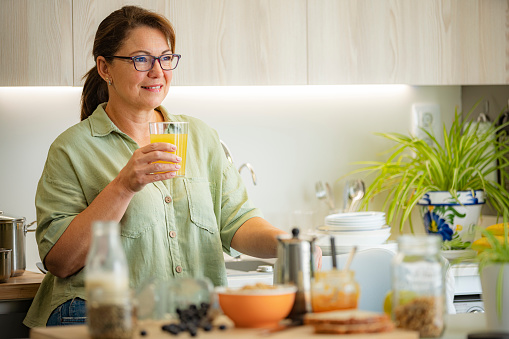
365 233
376 237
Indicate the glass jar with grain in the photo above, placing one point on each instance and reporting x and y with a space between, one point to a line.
418 298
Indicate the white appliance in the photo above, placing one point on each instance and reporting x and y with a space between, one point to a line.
467 291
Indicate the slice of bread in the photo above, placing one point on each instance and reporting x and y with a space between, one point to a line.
349 321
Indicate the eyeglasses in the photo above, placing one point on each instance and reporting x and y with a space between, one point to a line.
144 63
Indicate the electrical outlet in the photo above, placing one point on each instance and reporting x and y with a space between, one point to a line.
427 117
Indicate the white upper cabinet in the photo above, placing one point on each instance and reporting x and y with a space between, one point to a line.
36 43
428 42
248 42
274 42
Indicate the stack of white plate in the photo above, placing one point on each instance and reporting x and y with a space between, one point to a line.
356 228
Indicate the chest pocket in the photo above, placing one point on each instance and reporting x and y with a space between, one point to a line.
201 206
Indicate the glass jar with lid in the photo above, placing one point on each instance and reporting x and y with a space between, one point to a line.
109 303
334 290
418 301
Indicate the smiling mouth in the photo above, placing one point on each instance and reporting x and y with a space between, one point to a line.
152 87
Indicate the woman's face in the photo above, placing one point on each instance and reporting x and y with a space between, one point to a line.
134 89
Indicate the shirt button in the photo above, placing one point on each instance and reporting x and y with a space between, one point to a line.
167 199
173 234
178 269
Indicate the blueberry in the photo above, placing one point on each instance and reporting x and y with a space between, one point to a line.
143 333
193 331
172 328
207 327
222 327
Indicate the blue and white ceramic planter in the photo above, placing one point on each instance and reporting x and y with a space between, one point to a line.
443 214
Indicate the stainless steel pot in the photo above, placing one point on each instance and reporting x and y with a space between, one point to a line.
13 232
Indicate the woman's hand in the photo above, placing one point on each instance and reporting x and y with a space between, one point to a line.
143 168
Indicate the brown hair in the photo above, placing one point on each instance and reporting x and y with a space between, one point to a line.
110 36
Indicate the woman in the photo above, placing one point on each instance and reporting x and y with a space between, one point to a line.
104 168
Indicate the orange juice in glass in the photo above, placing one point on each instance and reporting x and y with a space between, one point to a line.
174 133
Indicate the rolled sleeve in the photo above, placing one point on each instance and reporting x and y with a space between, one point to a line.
57 202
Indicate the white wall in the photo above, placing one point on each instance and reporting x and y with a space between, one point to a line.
292 136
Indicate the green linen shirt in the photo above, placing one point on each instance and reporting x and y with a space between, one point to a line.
173 228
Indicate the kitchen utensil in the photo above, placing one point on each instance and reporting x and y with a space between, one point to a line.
350 258
5 264
346 189
13 231
41 268
330 197
356 193
295 265
333 252
322 194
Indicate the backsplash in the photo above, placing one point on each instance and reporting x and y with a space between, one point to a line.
292 136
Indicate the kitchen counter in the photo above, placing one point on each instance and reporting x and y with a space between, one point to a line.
22 287
16 296
458 326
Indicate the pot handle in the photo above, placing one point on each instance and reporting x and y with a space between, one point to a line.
27 226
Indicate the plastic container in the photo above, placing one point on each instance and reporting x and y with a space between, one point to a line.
418 299
334 290
109 302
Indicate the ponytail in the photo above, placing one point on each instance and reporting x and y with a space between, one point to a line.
95 92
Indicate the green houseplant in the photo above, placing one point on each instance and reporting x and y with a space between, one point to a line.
461 165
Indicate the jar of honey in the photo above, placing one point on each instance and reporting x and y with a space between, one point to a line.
334 290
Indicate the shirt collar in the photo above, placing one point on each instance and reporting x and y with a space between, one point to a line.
100 122
102 125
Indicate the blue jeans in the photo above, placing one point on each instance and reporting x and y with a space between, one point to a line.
72 312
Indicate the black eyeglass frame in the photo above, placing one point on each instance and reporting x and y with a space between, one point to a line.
153 60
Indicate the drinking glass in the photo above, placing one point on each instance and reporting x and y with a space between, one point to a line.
174 133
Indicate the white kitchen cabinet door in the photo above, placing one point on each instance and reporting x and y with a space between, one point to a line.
35 42
248 42
429 42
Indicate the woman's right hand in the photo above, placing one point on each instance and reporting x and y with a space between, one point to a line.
142 168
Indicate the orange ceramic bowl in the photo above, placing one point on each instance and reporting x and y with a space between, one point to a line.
257 307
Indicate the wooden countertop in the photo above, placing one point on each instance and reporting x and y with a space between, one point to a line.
457 327
21 287
155 332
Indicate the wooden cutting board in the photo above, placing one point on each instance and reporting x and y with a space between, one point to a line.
154 332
